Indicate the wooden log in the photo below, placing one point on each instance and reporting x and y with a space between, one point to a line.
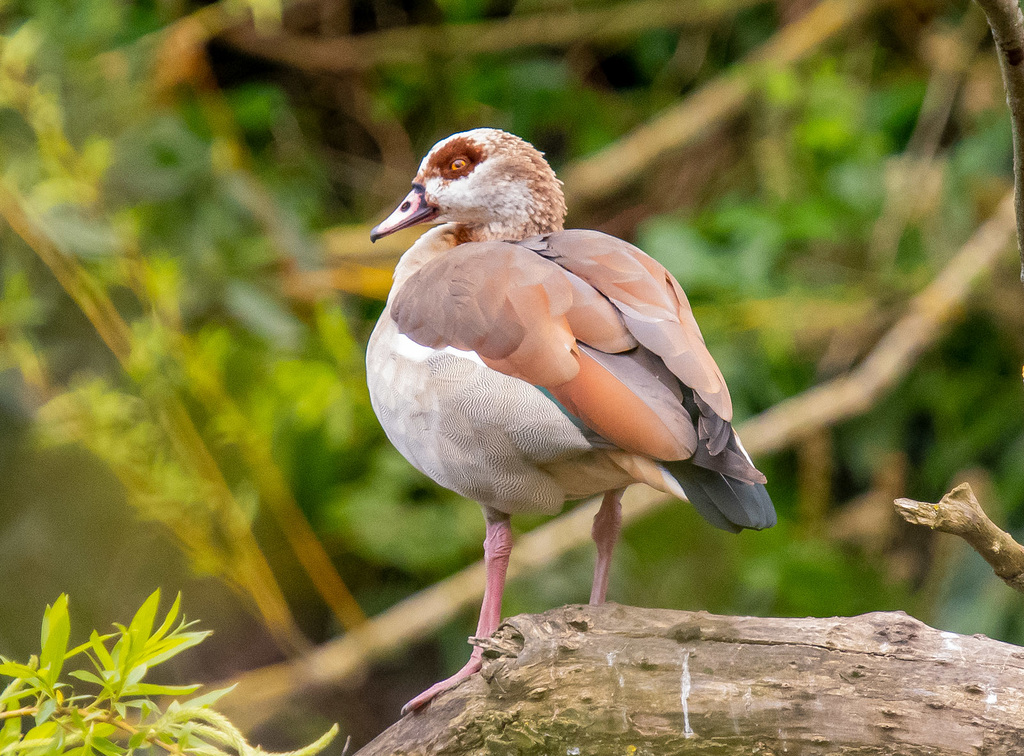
623 680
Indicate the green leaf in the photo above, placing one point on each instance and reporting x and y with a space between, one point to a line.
168 622
103 729
150 689
21 671
135 674
137 739
43 732
107 747
88 645
142 623
173 646
106 662
210 698
10 732
147 708
54 639
46 710
13 692
83 674
77 719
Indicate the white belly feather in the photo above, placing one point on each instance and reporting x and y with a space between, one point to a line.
472 429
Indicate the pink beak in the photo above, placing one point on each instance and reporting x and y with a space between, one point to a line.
414 209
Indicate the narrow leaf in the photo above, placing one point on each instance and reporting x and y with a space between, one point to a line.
106 747
85 646
150 689
21 671
43 732
135 674
45 710
83 674
128 650
168 622
137 739
173 646
10 732
142 623
210 698
96 642
54 639
13 692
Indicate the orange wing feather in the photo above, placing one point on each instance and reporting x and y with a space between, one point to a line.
528 317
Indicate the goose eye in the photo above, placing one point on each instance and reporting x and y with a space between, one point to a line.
458 164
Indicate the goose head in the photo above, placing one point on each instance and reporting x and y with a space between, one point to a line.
492 184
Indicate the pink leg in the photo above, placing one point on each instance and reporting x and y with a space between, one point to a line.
497 548
607 523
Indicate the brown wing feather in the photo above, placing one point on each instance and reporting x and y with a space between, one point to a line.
616 412
654 308
523 315
592 319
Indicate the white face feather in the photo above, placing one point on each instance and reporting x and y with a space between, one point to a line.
500 194
487 195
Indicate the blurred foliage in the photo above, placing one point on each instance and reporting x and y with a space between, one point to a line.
165 320
122 717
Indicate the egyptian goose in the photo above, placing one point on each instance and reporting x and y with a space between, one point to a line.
522 366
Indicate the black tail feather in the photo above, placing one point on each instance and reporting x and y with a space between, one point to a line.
725 502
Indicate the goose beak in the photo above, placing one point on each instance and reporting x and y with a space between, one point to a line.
414 209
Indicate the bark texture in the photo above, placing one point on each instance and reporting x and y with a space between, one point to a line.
589 681
1007 24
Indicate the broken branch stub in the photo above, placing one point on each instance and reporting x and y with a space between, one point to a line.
960 514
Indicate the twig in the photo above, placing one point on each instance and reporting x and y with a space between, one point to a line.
182 51
418 43
1007 24
891 359
255 446
261 691
252 568
960 514
616 166
610 170
274 491
904 198
25 711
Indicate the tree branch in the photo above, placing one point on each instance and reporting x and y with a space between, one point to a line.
249 569
622 162
616 679
895 353
414 44
959 513
1007 24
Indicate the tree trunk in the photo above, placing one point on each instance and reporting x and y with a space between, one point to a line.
621 680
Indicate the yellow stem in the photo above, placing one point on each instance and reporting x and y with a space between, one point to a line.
261 584
27 711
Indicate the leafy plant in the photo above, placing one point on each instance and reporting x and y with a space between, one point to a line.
121 716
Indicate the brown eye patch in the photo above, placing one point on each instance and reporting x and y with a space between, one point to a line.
457 158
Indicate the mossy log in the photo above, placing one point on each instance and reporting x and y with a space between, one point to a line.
622 680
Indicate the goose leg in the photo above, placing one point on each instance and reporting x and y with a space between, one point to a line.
497 548
607 524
